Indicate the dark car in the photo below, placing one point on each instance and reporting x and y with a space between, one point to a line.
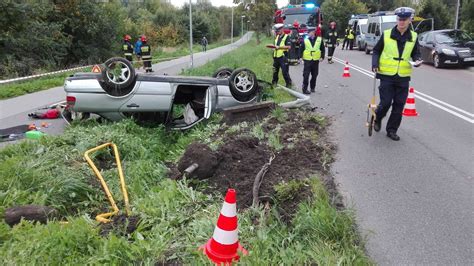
447 47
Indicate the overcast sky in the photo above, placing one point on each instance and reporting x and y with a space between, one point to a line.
222 2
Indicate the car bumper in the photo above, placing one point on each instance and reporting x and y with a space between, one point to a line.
456 60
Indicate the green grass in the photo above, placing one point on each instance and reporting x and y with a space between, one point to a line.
34 85
176 218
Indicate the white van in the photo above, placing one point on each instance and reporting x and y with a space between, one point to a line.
361 30
377 23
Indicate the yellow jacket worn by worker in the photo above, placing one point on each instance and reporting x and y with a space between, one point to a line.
280 52
312 52
351 36
390 64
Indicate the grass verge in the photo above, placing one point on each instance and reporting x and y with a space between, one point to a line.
175 217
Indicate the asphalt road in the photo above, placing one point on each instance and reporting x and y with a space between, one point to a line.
15 111
414 199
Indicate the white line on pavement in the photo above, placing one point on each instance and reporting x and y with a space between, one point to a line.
422 96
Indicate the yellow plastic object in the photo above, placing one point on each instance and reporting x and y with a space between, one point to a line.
103 217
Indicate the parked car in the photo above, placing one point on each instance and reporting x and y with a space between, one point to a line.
377 23
119 92
447 47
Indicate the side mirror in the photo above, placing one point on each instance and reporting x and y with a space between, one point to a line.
377 33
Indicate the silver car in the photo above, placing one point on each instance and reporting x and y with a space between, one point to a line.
119 92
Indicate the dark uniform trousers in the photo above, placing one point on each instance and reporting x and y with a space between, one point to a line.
310 67
331 49
281 62
392 93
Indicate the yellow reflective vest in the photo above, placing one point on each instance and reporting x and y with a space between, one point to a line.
280 52
390 64
312 52
350 36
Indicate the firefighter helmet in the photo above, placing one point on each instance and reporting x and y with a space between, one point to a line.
143 38
127 37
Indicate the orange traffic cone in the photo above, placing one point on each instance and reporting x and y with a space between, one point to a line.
346 73
410 109
224 244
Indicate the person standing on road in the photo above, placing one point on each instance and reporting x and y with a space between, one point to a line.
346 40
127 48
145 51
391 63
280 56
204 43
331 40
312 51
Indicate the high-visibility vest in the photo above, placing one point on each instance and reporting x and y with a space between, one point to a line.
390 61
127 49
351 35
145 51
312 52
280 52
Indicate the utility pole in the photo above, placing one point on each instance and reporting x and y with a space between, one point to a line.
242 26
458 5
232 27
191 33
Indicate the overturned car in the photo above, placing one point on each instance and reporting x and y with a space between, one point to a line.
119 92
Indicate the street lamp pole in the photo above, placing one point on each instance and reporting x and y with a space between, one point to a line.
457 14
232 27
191 33
242 26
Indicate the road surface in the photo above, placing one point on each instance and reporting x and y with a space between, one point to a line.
414 198
15 111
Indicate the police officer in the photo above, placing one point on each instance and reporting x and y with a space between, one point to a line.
351 37
391 61
331 40
346 34
280 56
312 51
145 51
127 48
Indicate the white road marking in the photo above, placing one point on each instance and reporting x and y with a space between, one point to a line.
456 111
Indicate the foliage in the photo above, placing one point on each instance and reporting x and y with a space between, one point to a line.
259 13
467 17
436 9
341 11
39 36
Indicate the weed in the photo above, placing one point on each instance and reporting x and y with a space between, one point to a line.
258 132
280 114
274 141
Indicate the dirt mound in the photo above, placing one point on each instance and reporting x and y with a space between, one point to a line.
203 156
120 225
296 142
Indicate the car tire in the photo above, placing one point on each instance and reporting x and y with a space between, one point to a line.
243 84
223 73
118 77
436 62
367 51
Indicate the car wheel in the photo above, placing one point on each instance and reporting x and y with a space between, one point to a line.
118 77
436 61
222 73
367 51
243 84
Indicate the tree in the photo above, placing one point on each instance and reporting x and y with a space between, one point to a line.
341 11
467 17
260 13
437 10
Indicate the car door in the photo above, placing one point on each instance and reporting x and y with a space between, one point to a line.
151 96
429 47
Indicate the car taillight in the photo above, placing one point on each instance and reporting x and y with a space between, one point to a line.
70 100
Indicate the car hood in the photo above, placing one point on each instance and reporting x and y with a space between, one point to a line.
457 46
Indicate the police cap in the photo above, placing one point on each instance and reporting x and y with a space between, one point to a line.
405 12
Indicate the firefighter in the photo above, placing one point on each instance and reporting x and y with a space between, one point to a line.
391 63
145 51
312 52
331 40
280 56
127 48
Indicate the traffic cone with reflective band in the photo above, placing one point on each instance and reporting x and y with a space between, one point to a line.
346 73
224 244
410 109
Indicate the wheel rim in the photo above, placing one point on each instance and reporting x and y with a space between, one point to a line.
223 74
243 81
118 73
